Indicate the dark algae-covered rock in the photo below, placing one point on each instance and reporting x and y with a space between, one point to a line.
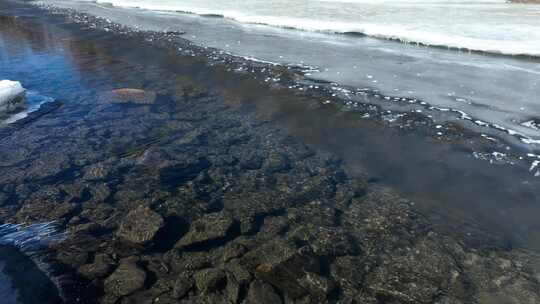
185 191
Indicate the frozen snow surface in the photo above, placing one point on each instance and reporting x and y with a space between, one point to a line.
482 25
9 91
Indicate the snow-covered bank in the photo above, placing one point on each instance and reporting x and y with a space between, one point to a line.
12 95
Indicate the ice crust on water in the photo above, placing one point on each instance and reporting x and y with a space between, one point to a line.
10 90
481 25
34 101
531 124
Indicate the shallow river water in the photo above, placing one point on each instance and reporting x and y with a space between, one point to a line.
446 179
494 94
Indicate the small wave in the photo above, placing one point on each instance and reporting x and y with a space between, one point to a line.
30 238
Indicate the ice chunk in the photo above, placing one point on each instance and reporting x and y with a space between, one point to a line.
11 95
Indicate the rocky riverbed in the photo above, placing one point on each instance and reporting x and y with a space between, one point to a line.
173 190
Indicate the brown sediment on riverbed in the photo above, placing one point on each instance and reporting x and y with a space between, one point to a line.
193 197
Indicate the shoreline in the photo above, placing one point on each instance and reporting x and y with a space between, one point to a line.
206 159
474 101
516 147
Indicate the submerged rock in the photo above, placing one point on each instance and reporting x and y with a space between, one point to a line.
95 172
45 211
318 286
128 95
210 227
182 286
276 162
209 280
232 251
101 266
262 293
282 265
12 96
126 279
140 225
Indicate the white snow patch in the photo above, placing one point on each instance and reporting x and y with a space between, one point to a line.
9 90
531 124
